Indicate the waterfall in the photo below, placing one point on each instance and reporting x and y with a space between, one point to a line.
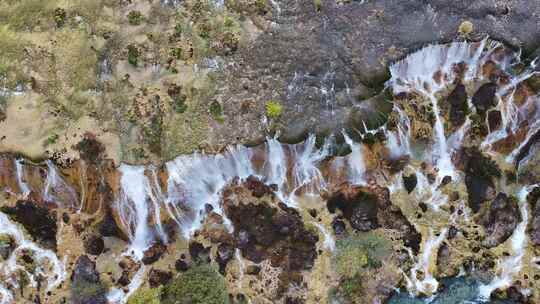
276 164
198 179
48 264
57 191
329 242
356 161
510 266
425 263
23 186
119 296
427 72
399 142
134 209
306 158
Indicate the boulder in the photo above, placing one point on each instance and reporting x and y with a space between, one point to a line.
499 218
86 287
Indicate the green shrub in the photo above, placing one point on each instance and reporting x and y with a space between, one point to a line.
201 284
357 252
60 17
146 296
273 109
133 55
216 110
135 17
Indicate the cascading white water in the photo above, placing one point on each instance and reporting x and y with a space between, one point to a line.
57 191
510 266
47 263
197 180
23 186
399 141
5 295
534 125
428 284
329 241
355 160
429 71
134 210
305 171
119 296
276 164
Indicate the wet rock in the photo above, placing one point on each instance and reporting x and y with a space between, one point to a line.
257 187
94 244
198 252
458 105
534 225
500 217
158 277
494 120
225 253
480 172
108 227
181 265
370 208
269 231
86 287
484 98
410 181
39 221
154 253
339 227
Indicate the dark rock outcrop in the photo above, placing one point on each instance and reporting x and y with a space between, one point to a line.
86 287
39 221
94 244
484 98
499 218
534 226
458 105
158 277
269 231
152 254
480 173
368 208
410 181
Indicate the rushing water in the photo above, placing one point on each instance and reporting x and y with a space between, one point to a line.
194 181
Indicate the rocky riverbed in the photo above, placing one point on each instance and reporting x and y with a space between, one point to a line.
256 151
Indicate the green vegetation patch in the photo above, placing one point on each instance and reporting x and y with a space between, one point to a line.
146 296
273 109
201 284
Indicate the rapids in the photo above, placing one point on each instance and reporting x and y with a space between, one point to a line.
183 188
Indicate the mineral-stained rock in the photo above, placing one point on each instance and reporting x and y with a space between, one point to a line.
271 231
410 181
158 277
225 253
484 98
39 221
534 225
499 218
152 254
458 105
86 287
480 172
94 244
368 208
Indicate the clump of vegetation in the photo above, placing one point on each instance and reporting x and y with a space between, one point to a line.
466 28
146 296
201 284
216 110
60 16
51 140
318 5
358 252
273 109
133 55
135 18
